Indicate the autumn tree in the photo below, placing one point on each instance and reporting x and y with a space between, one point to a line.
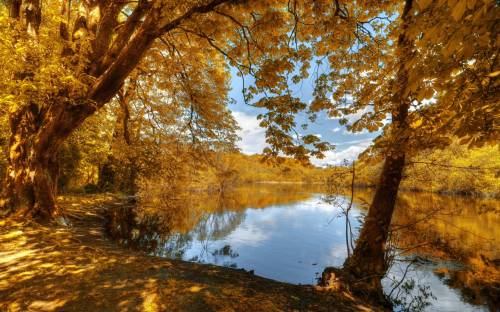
67 59
428 75
61 82
420 70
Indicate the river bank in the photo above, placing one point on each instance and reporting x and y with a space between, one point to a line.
448 192
56 268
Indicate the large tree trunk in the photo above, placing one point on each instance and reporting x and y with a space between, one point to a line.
30 182
368 262
30 186
364 270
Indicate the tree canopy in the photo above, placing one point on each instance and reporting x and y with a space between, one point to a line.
136 89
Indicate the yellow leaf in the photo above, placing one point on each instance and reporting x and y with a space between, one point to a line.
429 93
459 10
423 4
468 51
417 123
494 74
195 288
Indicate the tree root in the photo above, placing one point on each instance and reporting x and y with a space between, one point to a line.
367 287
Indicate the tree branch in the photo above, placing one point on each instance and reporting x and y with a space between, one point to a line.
194 10
123 36
109 83
104 33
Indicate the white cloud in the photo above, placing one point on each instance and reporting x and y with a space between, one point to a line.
366 142
346 132
253 137
338 252
253 141
337 157
357 115
296 136
250 235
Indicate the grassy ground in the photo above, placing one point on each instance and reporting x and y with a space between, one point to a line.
55 268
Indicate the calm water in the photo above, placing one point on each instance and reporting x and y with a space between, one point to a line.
289 233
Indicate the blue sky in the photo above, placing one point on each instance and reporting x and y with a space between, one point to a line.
347 145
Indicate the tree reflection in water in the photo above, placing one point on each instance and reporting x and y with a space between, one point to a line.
454 237
434 227
460 230
159 234
167 226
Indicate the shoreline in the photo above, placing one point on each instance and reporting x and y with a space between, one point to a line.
208 189
55 268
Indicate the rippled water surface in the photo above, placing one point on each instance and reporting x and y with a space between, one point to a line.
289 233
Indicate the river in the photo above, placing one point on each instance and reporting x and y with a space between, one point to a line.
445 247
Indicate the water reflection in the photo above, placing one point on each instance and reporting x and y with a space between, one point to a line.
290 234
458 229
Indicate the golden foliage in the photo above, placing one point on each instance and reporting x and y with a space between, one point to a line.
454 170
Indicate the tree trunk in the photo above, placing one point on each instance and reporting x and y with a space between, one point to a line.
30 189
368 261
368 264
364 269
30 183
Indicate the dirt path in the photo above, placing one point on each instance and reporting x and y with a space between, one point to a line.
55 268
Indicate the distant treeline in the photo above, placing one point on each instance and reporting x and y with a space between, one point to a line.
453 170
101 166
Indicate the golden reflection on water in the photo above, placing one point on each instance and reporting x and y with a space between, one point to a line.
444 226
180 213
459 225
462 229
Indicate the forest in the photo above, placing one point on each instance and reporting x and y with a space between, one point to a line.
264 155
